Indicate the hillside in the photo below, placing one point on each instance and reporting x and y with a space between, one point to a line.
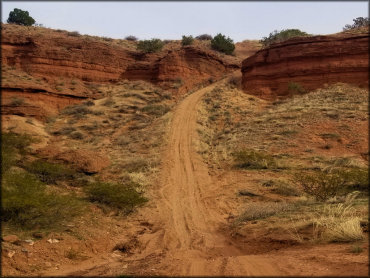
58 68
119 163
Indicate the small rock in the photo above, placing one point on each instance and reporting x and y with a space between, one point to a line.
11 238
37 235
11 254
48 264
52 240
25 250
125 266
30 241
115 255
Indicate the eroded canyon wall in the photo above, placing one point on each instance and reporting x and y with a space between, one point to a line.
302 64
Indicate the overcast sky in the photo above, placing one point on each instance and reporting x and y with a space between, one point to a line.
171 20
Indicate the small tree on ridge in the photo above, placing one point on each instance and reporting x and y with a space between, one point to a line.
17 16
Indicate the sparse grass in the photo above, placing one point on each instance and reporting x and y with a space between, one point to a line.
88 103
284 188
76 135
76 110
330 136
136 165
356 249
256 211
16 101
156 109
65 130
249 159
13 144
50 173
109 102
74 254
122 196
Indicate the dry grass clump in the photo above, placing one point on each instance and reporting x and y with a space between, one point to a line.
76 110
256 211
337 223
156 109
16 101
283 187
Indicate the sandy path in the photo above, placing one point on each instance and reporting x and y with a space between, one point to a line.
190 214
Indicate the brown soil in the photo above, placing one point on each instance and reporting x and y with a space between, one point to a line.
186 218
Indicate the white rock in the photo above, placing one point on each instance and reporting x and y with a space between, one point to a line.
52 240
11 254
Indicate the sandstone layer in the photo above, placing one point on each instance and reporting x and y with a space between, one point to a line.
54 57
302 64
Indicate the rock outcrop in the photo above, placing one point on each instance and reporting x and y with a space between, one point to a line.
180 70
307 63
61 57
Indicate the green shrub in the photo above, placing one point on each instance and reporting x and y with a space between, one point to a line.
20 17
131 38
204 37
280 36
11 145
150 46
321 185
50 173
156 109
120 196
76 110
254 160
223 44
27 205
295 88
256 211
187 40
354 178
358 23
74 34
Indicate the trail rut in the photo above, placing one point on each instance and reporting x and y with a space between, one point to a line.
191 215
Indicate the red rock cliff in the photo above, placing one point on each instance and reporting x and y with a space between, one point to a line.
48 56
307 63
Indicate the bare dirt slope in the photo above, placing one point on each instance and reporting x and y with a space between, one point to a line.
184 224
186 237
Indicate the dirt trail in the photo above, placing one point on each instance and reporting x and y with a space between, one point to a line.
187 216
189 211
